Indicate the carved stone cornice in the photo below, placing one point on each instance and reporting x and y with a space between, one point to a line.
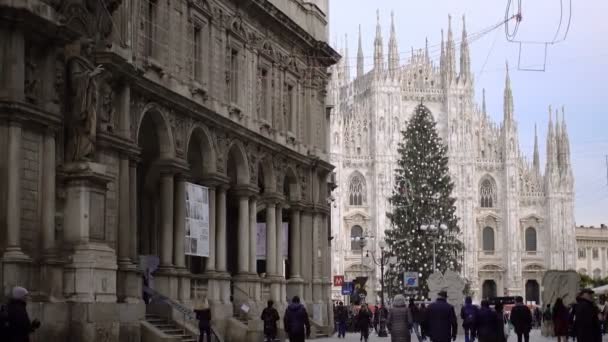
172 166
24 112
117 143
215 179
244 190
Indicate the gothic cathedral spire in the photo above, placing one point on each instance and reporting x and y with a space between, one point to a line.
450 53
346 61
484 111
551 148
360 58
564 141
465 59
393 51
536 159
508 99
442 67
378 54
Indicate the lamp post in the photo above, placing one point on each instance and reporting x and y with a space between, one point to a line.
362 240
384 260
434 228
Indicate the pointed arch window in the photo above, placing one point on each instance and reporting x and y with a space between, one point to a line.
531 243
356 190
487 194
488 240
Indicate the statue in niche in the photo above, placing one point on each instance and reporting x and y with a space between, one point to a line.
107 110
83 100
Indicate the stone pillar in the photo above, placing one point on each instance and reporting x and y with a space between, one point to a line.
166 198
12 73
133 246
124 219
13 192
294 243
271 261
279 243
316 264
179 221
307 253
212 228
48 192
243 238
253 234
220 232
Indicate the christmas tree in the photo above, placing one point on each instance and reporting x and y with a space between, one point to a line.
423 208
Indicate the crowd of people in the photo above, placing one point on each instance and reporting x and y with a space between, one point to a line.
583 321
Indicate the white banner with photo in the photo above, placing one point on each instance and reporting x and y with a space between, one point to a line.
261 242
197 220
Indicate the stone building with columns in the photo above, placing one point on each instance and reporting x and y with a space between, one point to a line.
592 251
109 108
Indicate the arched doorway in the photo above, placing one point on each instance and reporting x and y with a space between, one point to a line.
201 161
154 141
532 291
488 289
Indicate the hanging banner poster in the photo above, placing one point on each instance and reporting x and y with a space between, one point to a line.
261 242
197 220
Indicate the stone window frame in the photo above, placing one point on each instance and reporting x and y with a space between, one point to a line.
291 123
595 253
582 253
528 244
265 114
355 245
492 250
488 195
360 197
200 20
235 46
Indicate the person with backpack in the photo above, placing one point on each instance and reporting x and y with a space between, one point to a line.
469 313
342 319
270 317
17 324
521 318
547 328
296 322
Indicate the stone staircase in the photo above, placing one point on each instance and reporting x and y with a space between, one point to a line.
170 328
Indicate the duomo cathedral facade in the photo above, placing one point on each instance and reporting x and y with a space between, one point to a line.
516 216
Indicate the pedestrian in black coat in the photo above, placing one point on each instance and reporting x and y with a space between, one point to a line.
270 316
489 326
586 320
19 325
441 324
203 315
521 318
297 325
363 321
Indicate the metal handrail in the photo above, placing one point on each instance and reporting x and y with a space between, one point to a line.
177 306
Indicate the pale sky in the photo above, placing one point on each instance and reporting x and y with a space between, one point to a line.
575 76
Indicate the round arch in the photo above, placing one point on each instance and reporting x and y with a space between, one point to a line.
200 148
237 165
162 129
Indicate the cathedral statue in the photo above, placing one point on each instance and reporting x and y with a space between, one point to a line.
83 95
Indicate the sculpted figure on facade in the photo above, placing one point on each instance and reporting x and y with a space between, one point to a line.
83 93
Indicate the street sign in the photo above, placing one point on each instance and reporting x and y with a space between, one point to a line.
347 288
410 279
338 280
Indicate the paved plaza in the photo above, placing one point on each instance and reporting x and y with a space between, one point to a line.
354 337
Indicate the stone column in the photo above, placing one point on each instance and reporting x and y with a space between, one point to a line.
243 238
212 228
271 257
220 232
133 211
253 236
179 221
316 264
48 192
13 192
13 51
294 243
166 198
279 243
124 219
307 253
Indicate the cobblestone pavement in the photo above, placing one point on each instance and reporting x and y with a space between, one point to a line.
354 337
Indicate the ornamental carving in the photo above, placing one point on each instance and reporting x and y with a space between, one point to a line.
91 18
303 175
178 127
253 155
107 109
221 146
31 82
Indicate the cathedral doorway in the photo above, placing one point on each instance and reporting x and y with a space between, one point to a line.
489 289
532 291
